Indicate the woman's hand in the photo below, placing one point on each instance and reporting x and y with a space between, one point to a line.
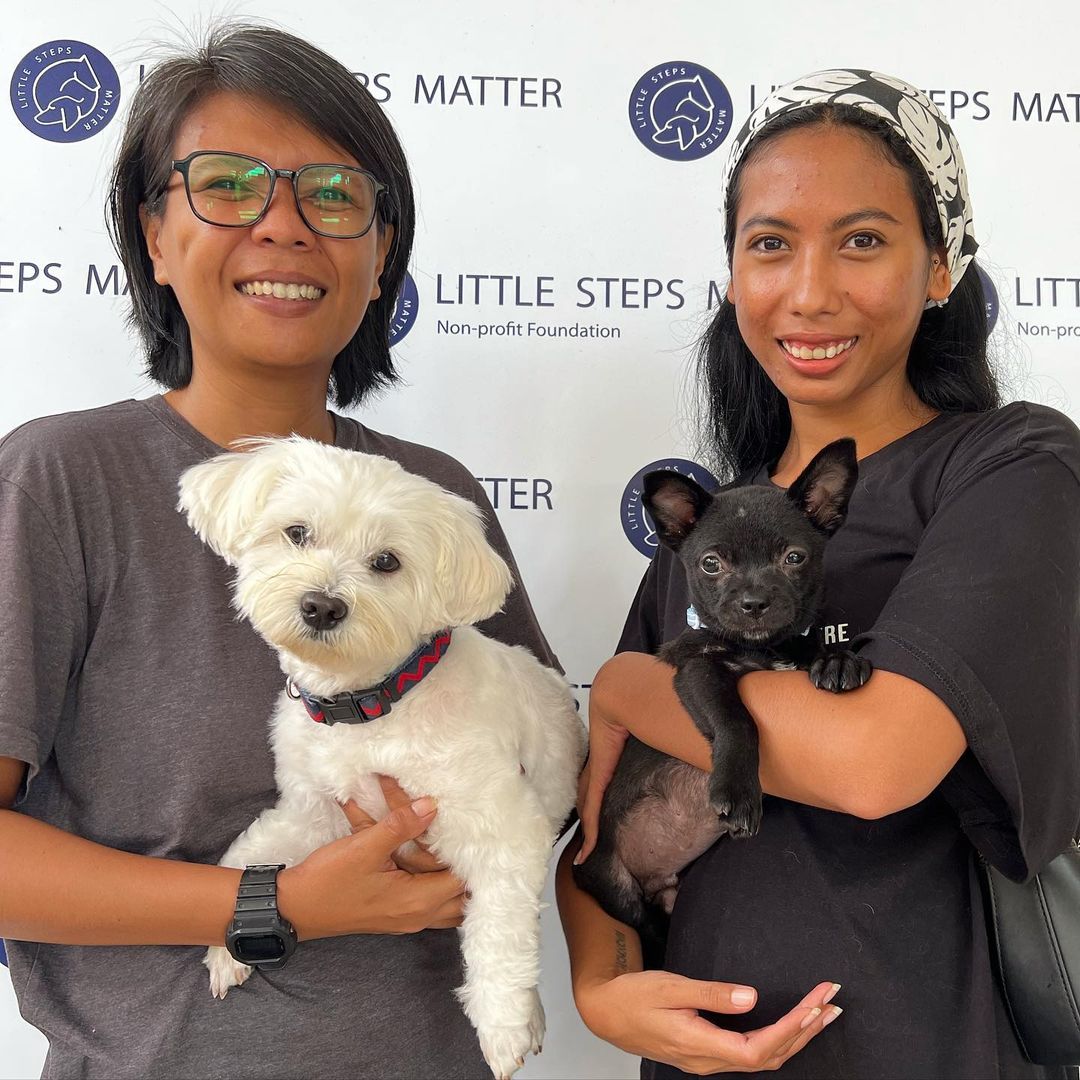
632 693
351 885
606 742
414 858
607 737
656 1015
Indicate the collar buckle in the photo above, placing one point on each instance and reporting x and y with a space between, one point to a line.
363 706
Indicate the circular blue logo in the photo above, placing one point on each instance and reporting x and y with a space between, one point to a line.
636 521
408 304
680 110
990 295
65 91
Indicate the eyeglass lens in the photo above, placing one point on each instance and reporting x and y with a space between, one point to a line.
230 189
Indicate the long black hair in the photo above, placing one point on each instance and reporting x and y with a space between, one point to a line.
747 420
267 64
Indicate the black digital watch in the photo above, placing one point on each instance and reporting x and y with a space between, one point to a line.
258 936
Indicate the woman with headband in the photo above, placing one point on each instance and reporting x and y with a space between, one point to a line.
854 309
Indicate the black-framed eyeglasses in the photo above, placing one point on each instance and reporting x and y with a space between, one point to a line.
234 191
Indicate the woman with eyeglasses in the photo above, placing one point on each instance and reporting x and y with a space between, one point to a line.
263 210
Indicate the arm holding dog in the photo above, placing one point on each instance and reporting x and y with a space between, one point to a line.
869 752
114 897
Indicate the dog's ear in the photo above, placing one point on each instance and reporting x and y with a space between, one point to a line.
675 503
472 578
223 496
824 487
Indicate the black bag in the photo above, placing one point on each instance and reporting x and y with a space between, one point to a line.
1035 933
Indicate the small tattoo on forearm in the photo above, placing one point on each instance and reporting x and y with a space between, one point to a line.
621 964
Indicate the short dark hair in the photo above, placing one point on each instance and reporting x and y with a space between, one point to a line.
747 419
268 64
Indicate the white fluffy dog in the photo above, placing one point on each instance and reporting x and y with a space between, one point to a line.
347 565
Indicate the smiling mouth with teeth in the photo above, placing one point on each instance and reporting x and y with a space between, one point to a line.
817 352
280 290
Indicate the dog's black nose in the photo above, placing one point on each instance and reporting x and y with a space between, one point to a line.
754 604
322 612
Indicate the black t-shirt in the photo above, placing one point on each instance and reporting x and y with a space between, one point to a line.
958 567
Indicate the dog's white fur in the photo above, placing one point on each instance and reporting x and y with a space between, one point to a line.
489 732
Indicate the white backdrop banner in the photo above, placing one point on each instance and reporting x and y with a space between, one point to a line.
566 159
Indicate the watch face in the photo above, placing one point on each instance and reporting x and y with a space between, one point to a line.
258 947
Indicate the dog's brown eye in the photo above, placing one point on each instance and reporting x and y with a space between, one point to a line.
711 564
794 558
386 562
298 534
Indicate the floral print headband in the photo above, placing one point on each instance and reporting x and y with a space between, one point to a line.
912 115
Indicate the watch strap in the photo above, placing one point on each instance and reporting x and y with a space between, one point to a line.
256 919
258 888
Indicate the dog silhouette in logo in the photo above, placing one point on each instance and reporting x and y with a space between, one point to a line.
66 92
691 112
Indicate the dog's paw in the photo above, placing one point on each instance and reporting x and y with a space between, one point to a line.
839 672
504 1046
737 806
225 972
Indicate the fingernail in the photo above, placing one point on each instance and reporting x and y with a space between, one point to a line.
577 859
831 994
834 1012
810 1017
742 995
424 806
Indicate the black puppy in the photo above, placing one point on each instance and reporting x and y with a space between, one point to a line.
754 564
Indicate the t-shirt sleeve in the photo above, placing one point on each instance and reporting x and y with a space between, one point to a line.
42 630
987 617
641 632
516 624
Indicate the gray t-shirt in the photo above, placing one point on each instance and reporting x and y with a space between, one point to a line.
140 703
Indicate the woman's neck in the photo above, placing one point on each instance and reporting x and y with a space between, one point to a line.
229 406
873 422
